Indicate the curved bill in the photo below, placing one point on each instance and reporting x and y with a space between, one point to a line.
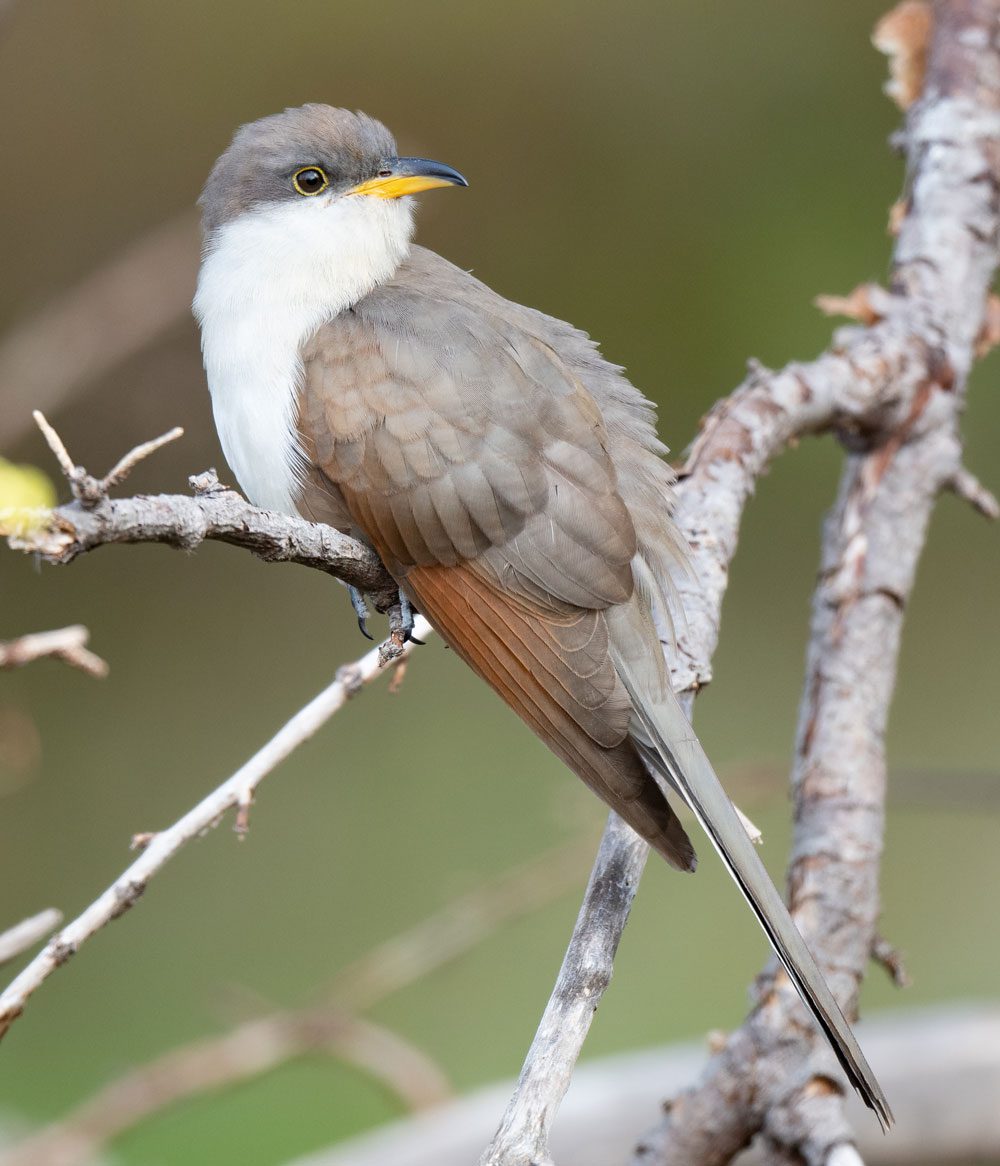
410 176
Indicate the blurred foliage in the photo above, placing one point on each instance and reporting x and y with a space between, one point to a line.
26 496
680 179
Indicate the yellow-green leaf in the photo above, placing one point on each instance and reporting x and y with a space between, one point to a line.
26 498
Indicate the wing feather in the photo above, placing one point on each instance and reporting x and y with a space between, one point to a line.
465 436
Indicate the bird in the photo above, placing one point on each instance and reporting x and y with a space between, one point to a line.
508 476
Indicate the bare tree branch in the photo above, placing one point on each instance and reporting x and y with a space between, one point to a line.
214 512
903 449
586 970
67 644
158 848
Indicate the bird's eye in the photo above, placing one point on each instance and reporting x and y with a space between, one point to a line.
310 180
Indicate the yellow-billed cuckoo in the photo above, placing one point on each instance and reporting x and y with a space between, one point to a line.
509 477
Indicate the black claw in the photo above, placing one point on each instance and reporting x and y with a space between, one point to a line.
361 610
403 622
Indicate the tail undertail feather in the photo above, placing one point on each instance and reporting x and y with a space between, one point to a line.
686 766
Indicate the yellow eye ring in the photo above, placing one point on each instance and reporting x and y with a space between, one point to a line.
310 180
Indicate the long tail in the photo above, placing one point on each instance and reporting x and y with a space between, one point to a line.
672 748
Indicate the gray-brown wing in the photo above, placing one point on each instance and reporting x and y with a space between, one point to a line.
459 437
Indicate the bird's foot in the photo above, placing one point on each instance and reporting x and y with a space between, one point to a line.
401 621
400 631
360 605
401 617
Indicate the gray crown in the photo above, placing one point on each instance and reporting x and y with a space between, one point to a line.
258 166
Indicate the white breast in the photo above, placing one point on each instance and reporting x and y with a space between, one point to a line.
268 280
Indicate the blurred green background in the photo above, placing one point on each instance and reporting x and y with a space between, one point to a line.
679 179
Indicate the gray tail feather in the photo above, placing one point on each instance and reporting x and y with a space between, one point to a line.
680 757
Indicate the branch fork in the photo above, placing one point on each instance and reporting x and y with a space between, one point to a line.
90 491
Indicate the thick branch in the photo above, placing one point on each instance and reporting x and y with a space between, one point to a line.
944 263
522 1137
879 388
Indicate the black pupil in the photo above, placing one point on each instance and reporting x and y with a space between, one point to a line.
310 180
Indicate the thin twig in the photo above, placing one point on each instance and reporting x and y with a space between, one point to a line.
891 958
125 891
56 444
124 466
17 939
67 644
968 486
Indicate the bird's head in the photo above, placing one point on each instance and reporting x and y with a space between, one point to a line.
314 156
313 202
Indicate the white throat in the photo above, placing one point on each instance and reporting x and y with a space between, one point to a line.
268 280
